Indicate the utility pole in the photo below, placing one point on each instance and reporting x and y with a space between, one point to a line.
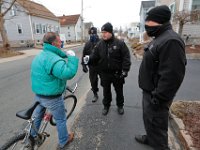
81 22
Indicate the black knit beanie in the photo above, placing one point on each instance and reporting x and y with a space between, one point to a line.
107 27
160 14
92 30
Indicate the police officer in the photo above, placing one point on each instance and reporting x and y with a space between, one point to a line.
93 72
113 59
160 75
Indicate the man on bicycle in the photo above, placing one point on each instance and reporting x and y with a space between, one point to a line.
49 73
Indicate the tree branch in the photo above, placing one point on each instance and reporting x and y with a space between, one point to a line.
3 14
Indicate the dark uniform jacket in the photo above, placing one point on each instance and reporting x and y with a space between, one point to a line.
163 66
111 56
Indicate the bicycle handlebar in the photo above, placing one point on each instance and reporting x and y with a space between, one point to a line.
72 90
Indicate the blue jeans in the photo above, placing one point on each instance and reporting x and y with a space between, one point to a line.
57 109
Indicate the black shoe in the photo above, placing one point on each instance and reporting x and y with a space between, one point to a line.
105 111
120 110
95 98
141 139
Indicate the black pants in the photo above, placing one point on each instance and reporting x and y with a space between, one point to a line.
93 75
106 80
156 122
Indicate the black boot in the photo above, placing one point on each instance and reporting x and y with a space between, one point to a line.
105 111
142 139
120 110
95 98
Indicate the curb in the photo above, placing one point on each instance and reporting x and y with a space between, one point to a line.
184 140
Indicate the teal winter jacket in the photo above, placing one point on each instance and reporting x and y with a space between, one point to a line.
50 71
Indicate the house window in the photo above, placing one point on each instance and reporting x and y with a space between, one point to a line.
12 11
68 27
49 28
19 28
195 4
69 34
56 29
38 28
44 29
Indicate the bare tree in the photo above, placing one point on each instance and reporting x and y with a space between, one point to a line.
4 37
183 17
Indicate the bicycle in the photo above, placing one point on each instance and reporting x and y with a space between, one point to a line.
21 141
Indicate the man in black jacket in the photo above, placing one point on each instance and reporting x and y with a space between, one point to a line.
160 75
93 72
113 59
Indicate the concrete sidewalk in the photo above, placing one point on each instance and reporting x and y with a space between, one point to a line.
31 52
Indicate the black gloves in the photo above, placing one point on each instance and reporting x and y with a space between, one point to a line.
124 74
85 69
121 75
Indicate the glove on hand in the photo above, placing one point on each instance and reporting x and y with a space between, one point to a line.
70 53
86 59
124 74
85 69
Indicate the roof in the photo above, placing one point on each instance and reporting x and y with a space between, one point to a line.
147 4
69 20
35 9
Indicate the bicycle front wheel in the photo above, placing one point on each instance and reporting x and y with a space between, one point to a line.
15 143
70 102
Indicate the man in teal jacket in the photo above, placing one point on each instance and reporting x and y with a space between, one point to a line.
49 73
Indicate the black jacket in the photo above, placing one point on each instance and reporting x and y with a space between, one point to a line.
111 56
163 66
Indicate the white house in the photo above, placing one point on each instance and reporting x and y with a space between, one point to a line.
27 22
71 27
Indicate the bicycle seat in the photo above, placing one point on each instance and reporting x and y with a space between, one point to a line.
27 113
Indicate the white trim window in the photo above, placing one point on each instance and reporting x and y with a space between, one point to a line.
44 29
195 5
12 11
38 28
19 28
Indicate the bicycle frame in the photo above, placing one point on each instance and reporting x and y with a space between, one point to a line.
24 137
41 134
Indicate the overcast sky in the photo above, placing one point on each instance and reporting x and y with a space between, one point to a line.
118 12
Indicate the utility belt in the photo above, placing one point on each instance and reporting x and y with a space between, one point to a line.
49 96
